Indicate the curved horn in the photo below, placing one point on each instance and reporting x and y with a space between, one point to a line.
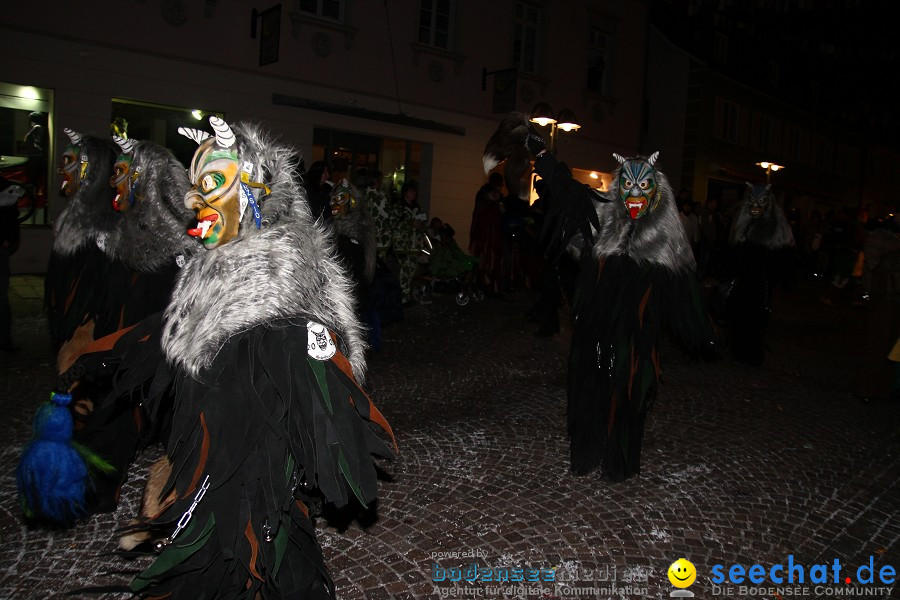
194 134
127 146
619 158
653 158
74 136
224 135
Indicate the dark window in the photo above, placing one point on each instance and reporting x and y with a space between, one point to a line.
731 122
327 9
436 23
720 48
597 60
525 37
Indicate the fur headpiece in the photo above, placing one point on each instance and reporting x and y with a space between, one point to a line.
153 230
89 216
287 268
508 143
770 229
657 237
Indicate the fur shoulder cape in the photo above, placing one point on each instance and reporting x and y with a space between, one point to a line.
658 237
286 269
89 217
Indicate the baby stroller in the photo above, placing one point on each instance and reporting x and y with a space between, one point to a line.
447 270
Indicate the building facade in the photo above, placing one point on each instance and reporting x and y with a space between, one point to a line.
413 88
745 82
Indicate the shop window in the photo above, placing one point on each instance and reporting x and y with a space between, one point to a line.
158 123
26 125
399 161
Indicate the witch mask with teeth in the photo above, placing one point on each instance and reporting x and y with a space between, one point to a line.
637 184
215 195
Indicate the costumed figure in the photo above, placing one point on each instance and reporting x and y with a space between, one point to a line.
386 294
486 234
83 298
268 359
636 271
760 239
97 419
407 238
878 374
355 232
383 213
79 306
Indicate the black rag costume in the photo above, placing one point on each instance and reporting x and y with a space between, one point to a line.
267 357
760 240
636 273
72 469
83 285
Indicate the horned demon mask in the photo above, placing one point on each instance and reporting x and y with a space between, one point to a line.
73 165
638 185
222 185
124 179
343 201
758 198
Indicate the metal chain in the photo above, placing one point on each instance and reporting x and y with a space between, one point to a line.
186 517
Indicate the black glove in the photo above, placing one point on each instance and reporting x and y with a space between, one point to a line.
535 144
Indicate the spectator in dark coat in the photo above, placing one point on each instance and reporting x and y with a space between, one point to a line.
318 190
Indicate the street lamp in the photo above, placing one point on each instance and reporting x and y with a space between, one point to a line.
543 115
769 167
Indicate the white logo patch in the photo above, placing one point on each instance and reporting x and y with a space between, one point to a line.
319 344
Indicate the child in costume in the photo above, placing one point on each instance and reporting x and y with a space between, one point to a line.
636 273
268 358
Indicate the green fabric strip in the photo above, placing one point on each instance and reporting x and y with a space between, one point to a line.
318 369
173 555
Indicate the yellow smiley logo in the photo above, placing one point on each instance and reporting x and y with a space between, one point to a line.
682 573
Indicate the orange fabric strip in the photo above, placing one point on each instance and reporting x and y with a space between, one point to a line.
343 364
71 293
643 306
204 454
254 549
376 416
106 342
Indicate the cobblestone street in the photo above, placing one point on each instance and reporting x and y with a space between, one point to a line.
741 465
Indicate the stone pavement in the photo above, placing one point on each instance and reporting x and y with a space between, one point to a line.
741 466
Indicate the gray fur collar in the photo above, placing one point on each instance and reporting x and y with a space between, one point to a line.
658 237
771 229
89 216
154 229
286 269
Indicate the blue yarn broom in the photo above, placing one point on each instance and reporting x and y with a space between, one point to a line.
54 473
